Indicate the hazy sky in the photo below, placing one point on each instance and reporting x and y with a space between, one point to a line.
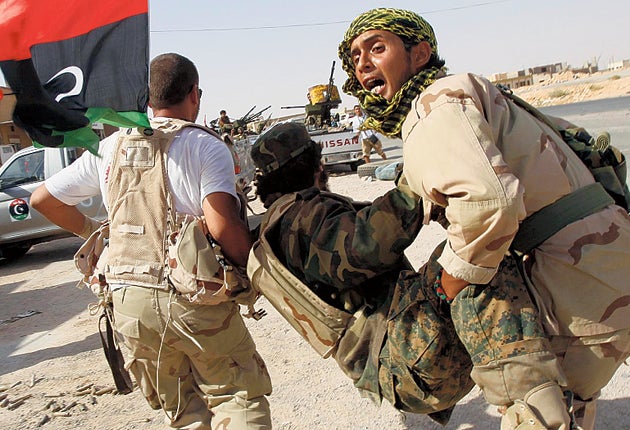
269 52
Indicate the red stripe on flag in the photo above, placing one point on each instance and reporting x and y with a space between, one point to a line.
24 23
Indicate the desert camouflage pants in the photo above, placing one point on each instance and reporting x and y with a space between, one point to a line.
197 362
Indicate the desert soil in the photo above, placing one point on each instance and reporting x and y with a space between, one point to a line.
50 347
569 87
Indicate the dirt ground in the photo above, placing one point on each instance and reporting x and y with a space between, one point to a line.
568 87
50 349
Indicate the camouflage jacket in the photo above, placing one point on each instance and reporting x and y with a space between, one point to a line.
400 344
334 245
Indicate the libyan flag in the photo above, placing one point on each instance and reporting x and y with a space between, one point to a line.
71 63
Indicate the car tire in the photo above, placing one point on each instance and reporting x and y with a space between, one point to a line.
14 252
354 166
368 169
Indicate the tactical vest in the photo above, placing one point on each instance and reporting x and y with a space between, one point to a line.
141 210
426 375
322 325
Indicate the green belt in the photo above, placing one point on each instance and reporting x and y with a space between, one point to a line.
541 225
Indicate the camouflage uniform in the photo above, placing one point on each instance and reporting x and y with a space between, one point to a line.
400 343
577 278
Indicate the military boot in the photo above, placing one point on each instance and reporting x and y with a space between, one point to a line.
542 408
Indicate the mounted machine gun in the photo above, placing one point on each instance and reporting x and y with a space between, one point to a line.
338 145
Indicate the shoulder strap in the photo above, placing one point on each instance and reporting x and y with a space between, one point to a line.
321 324
581 203
528 107
174 124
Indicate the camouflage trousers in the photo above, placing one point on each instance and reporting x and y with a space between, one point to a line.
499 326
197 362
405 348
424 367
511 354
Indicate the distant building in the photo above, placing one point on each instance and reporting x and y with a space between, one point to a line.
12 138
546 72
530 76
513 80
588 67
616 65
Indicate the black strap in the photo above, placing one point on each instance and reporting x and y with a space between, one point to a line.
114 356
541 225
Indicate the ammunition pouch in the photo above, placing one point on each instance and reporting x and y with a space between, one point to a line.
199 271
90 260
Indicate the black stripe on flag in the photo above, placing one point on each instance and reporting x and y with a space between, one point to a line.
107 67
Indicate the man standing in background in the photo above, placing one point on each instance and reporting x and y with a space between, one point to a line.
369 139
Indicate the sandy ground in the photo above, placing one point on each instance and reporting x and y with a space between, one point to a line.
48 355
568 87
50 347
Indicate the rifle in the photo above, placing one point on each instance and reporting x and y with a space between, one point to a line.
114 356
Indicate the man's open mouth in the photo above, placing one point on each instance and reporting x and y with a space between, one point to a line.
375 86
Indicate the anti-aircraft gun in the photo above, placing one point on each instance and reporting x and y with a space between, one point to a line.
322 99
240 144
243 121
338 145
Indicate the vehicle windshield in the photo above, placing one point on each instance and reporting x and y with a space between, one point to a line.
23 170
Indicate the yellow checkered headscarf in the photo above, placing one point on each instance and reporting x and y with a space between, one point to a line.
387 116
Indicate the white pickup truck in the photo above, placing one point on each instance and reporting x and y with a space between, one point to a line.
341 147
20 225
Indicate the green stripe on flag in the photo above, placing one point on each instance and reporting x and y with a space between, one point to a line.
86 138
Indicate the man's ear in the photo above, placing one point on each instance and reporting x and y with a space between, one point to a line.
194 95
420 55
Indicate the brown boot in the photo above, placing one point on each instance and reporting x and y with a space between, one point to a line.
384 156
366 159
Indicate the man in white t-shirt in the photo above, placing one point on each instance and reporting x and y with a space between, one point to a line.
196 362
369 139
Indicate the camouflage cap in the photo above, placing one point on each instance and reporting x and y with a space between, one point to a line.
279 145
